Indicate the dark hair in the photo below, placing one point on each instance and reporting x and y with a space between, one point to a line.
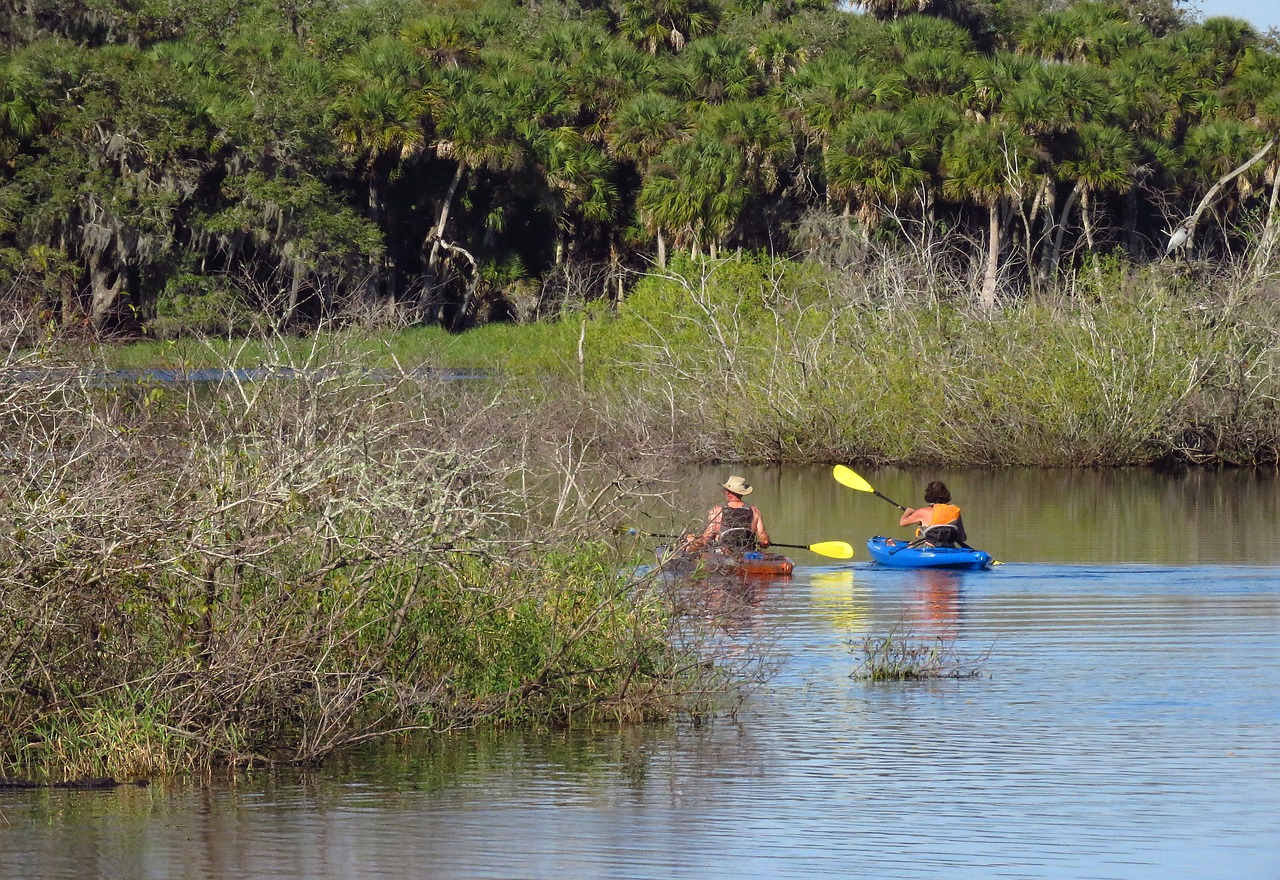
936 493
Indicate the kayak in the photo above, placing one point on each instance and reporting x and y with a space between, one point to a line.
748 565
900 554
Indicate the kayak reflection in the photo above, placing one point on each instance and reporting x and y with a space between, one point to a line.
936 601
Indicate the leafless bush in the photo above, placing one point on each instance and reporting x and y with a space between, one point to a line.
267 570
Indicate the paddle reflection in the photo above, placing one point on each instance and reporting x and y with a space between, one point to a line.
838 597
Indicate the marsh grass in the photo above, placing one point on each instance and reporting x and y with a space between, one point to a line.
768 361
763 360
901 656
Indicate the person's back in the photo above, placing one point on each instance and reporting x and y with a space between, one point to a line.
736 533
734 526
939 523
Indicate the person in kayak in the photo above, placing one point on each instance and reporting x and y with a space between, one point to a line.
938 523
734 526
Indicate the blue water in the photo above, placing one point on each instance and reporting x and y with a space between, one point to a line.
1125 724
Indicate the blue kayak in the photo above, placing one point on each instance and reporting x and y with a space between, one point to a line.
900 554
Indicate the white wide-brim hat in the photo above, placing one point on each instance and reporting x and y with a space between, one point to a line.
737 485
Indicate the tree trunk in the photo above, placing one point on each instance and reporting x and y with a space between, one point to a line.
1188 226
662 251
991 273
1053 256
105 283
295 288
1262 254
1086 219
437 231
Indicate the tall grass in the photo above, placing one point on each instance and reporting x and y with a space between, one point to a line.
898 656
771 361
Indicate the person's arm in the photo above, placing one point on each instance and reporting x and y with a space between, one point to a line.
961 535
710 532
757 526
912 516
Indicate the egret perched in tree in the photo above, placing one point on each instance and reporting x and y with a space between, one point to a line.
1178 239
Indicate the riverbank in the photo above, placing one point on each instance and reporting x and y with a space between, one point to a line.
758 360
248 572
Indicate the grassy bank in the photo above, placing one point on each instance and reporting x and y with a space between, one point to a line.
885 361
268 571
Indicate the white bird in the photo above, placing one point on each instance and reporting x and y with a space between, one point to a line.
1178 239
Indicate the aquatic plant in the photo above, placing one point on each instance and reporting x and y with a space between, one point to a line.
900 656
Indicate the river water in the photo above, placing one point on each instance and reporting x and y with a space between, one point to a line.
1126 723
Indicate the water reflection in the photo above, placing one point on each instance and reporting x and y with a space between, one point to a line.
839 597
935 604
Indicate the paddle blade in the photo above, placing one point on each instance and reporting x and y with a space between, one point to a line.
834 549
846 477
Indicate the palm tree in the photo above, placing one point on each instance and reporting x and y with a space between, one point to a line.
1222 151
995 78
777 52
713 70
655 24
474 129
760 135
601 81
823 97
378 112
23 109
694 193
915 33
446 42
1268 115
939 72
1056 99
879 159
644 126
579 177
1102 161
1054 36
988 165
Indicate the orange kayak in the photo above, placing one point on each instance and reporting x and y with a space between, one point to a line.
753 563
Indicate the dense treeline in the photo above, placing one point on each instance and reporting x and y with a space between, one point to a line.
207 167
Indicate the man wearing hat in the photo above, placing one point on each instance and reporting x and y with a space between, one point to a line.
734 526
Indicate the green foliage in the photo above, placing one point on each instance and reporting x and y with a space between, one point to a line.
339 161
204 305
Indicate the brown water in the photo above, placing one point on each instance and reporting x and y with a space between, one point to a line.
1127 724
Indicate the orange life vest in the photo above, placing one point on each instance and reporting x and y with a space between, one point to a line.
943 514
940 515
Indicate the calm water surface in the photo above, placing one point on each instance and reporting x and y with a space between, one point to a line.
1127 724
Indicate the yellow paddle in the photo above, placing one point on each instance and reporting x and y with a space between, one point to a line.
845 477
834 549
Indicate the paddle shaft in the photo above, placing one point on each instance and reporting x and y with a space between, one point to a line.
771 544
878 494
